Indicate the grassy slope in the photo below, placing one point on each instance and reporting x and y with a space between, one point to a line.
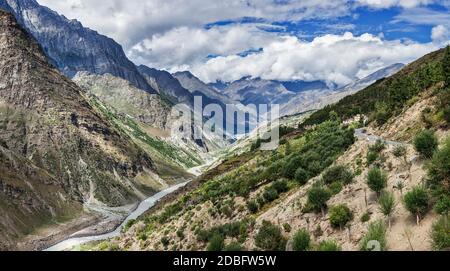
168 158
395 92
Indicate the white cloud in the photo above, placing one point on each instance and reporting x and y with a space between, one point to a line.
394 3
334 58
193 45
440 35
423 16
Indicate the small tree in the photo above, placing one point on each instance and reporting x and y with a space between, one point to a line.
375 238
216 243
438 170
301 240
318 197
440 233
442 206
252 206
270 194
376 180
387 205
426 143
301 176
417 202
234 246
340 215
269 237
337 174
280 186
399 151
329 245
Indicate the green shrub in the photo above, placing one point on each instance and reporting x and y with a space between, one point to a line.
270 194
252 206
165 241
269 238
234 246
340 215
216 243
381 114
438 170
336 188
337 174
378 147
329 245
273 170
301 176
417 202
442 206
375 237
426 143
180 234
365 217
399 151
440 233
376 180
291 167
318 197
387 205
280 186
301 241
142 236
371 157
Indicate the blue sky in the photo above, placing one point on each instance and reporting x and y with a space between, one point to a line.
332 40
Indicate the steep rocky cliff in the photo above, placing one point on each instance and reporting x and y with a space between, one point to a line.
127 99
167 86
72 47
57 152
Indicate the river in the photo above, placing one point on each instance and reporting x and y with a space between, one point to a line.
142 208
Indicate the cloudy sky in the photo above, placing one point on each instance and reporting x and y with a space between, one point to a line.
332 40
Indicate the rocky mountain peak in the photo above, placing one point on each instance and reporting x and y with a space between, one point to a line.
72 47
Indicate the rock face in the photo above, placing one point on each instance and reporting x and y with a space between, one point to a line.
167 86
56 152
72 47
195 85
257 91
126 98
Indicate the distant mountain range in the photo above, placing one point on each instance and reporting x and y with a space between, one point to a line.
292 96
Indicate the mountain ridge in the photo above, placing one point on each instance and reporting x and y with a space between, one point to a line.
49 126
72 47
